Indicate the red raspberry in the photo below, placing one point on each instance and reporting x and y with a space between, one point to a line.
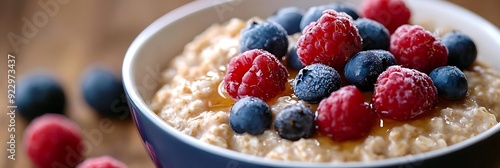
102 162
332 40
414 47
390 13
255 73
345 115
53 140
403 93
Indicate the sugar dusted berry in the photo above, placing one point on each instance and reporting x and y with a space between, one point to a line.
332 40
363 69
387 58
289 18
344 115
268 36
403 93
462 51
250 115
450 82
315 82
38 94
52 140
390 13
255 73
374 34
295 122
102 162
414 47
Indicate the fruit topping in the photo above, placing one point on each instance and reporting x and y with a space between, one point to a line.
344 115
268 36
450 82
315 82
289 18
250 115
403 93
332 40
374 34
462 51
295 122
255 73
390 13
416 48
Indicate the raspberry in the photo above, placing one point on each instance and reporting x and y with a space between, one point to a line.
53 140
391 13
101 162
414 47
332 40
255 73
345 115
403 93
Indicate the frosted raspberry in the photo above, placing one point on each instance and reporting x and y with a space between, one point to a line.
255 73
345 115
414 47
102 162
390 13
403 93
332 40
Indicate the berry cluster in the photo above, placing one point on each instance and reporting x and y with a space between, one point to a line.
53 140
339 55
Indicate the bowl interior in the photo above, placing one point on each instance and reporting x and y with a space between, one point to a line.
149 54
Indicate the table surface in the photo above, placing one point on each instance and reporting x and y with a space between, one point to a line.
82 33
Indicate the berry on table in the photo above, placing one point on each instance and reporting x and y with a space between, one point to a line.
363 69
403 93
450 82
104 92
344 115
332 40
289 18
374 34
414 47
102 162
53 140
295 122
268 36
255 73
250 115
315 82
390 13
292 59
462 51
38 94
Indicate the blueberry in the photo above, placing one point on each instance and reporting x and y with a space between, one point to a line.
387 58
374 34
268 36
347 8
462 51
104 92
295 122
363 70
315 12
289 18
38 94
293 60
450 82
315 82
250 115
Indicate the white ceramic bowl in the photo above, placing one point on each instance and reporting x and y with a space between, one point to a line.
165 38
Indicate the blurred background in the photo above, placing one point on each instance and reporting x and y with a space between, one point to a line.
76 34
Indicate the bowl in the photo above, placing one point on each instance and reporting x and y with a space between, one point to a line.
151 51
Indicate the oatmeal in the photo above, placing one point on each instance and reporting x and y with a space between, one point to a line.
193 101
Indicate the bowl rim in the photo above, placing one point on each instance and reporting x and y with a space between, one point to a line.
178 13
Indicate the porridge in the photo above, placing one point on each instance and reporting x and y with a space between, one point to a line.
193 102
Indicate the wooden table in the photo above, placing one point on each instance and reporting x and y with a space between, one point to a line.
81 33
